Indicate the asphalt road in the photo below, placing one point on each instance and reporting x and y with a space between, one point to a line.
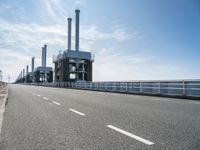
42 118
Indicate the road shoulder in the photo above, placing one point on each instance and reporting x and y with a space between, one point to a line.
3 100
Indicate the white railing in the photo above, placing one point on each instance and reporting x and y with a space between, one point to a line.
186 88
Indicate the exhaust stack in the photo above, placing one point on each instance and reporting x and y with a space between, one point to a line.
77 11
33 64
44 55
23 73
27 70
69 33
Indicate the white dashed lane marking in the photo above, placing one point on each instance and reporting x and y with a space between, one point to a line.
56 103
45 98
130 135
78 112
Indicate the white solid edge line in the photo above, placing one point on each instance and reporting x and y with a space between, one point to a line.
131 135
56 103
45 98
78 112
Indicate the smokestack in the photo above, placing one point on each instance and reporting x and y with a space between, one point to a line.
27 70
77 11
23 72
42 56
44 53
33 63
21 75
69 32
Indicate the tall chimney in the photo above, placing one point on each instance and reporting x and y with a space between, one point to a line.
27 70
69 32
23 73
77 11
44 54
33 63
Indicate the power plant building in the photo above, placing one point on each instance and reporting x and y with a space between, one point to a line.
43 73
38 75
73 65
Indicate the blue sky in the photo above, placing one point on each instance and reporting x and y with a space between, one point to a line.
131 39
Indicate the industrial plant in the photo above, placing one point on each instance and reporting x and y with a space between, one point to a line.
69 65
38 75
73 65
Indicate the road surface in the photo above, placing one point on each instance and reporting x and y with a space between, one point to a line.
42 118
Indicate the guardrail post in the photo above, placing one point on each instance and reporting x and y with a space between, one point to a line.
184 93
140 87
126 86
158 87
113 86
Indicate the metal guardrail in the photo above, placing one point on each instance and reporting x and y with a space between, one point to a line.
184 89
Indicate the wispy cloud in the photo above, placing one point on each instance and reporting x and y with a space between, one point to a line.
80 2
12 56
30 35
13 13
92 32
112 65
11 61
55 9
58 9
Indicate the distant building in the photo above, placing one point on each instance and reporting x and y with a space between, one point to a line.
43 73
